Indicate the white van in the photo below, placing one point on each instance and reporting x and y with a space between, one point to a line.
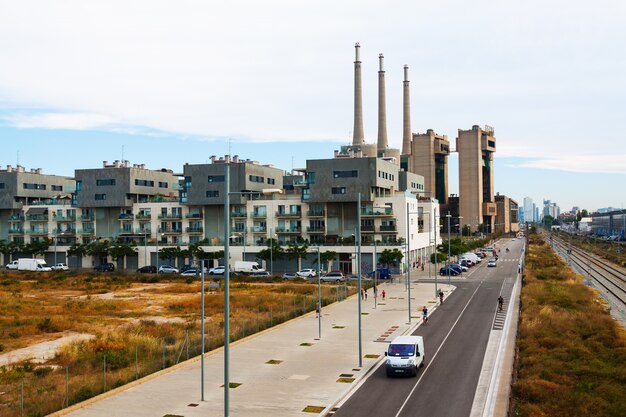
472 256
405 355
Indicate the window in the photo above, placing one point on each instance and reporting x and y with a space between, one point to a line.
216 178
100 197
110 181
187 183
57 188
144 183
338 190
30 186
163 184
346 174
1 185
256 178
310 177
79 185
271 181
212 193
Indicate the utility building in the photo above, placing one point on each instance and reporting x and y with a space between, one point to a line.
476 196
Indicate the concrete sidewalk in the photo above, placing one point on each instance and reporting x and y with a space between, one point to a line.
303 375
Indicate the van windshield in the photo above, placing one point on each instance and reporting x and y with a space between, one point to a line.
401 350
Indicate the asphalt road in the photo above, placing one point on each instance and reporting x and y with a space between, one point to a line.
455 341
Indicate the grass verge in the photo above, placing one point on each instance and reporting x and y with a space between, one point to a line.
571 354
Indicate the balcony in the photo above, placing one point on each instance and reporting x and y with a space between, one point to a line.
193 216
376 212
64 218
258 229
173 216
288 215
86 217
16 218
194 229
239 214
126 216
64 232
368 228
143 216
86 231
37 232
390 228
37 217
316 229
16 231
170 230
289 230
316 213
259 215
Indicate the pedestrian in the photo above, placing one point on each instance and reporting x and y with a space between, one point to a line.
365 291
375 292
425 315
317 310
440 297
362 294
383 294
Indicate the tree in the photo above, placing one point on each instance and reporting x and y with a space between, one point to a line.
37 247
78 250
273 252
326 258
121 250
390 256
9 248
170 253
98 248
547 221
297 252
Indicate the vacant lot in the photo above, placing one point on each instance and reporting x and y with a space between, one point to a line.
572 354
139 328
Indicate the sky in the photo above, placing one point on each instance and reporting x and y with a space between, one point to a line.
167 83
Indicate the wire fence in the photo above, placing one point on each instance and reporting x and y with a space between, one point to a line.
28 389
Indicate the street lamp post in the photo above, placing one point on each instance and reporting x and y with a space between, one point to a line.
358 225
408 269
319 297
157 251
430 227
226 289
375 263
202 332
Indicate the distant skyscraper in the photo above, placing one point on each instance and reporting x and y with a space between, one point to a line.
529 212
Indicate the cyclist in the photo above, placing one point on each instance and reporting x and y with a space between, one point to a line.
440 297
425 315
500 303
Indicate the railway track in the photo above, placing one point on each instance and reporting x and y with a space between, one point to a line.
607 276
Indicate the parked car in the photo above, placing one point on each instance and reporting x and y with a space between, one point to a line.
306 273
461 268
60 267
444 271
148 269
333 276
492 263
186 267
105 267
218 270
259 274
467 263
191 272
167 269
288 276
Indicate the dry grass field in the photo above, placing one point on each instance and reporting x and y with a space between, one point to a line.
572 354
139 328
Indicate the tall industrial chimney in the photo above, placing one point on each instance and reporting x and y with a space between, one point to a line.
382 108
358 137
406 121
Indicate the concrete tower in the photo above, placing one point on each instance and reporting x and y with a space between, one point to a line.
358 137
429 158
477 205
406 119
382 107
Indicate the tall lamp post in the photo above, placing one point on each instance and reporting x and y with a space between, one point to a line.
430 227
408 253
358 268
449 216
319 297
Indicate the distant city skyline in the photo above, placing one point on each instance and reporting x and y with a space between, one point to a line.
175 83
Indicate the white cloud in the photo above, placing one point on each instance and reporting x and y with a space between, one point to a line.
546 75
610 164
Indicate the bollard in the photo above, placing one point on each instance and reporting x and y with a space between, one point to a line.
136 364
104 374
163 348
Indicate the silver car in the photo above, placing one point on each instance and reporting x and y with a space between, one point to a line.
167 269
334 276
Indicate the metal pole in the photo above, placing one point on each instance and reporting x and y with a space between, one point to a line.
358 235
136 363
22 399
430 218
55 244
104 374
163 350
145 249
226 288
271 254
157 250
448 216
202 333
319 297
408 270
375 273
67 387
